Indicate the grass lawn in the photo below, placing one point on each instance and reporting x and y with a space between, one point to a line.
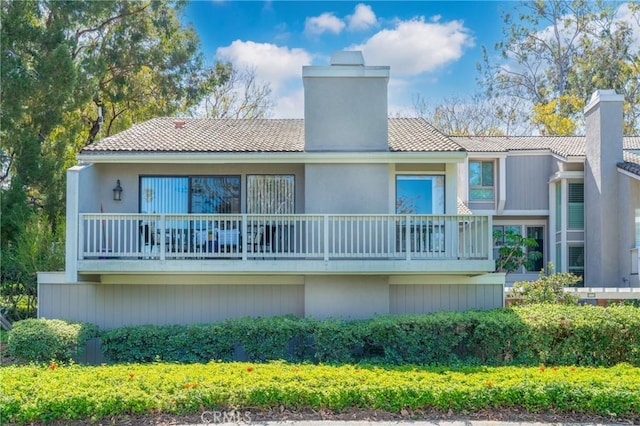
65 392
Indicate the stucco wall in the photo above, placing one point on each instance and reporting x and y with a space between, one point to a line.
347 188
345 114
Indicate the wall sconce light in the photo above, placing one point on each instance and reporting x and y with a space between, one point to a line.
117 192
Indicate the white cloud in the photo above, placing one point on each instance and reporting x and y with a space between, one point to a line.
290 105
327 22
363 18
273 64
416 46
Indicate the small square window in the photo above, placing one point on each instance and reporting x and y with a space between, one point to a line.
481 180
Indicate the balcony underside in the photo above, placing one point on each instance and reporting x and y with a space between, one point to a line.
286 266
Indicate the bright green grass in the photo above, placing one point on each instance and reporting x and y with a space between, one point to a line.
79 392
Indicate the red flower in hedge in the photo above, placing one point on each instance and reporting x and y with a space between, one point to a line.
132 375
555 368
489 384
573 369
542 368
249 369
53 366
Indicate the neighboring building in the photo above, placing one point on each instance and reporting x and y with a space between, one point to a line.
346 213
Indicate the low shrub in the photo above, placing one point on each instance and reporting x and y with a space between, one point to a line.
66 393
42 340
523 335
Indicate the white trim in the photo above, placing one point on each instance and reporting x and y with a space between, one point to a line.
631 175
570 158
566 175
529 152
484 155
525 213
346 71
276 157
52 278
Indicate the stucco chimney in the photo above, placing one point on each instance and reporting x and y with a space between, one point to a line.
604 129
345 105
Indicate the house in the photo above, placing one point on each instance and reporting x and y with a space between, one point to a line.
347 213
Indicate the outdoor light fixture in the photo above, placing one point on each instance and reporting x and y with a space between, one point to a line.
117 192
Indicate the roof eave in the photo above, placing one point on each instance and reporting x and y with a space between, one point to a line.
273 157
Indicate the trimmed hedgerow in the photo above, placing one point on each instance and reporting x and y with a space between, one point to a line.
41 340
527 335
59 392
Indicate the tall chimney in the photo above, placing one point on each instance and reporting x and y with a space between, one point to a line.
604 127
345 105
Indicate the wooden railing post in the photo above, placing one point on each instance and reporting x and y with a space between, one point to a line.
163 237
326 238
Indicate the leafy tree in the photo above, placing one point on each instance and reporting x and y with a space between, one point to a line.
561 51
554 116
548 288
514 251
61 62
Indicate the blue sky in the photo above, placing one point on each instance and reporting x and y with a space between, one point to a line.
432 46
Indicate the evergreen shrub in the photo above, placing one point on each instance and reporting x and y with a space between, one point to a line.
43 340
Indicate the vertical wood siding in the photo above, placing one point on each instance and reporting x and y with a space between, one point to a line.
420 299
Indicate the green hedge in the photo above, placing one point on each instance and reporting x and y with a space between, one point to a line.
43 340
65 393
527 335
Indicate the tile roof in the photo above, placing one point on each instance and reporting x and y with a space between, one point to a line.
416 134
565 146
631 162
263 135
205 135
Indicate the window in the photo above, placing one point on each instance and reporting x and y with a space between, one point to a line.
534 232
575 205
537 233
576 260
270 194
481 180
190 194
419 194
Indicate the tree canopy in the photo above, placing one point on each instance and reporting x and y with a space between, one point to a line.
556 53
75 71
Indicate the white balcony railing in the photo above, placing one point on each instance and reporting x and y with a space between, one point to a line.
303 236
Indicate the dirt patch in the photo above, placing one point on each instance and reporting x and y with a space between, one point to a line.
280 415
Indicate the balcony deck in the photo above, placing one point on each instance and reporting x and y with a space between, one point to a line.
293 244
